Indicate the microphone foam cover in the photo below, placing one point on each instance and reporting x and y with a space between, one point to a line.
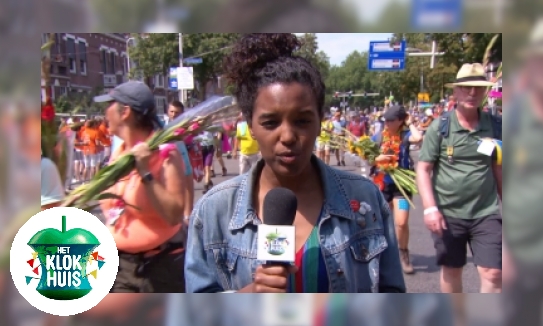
280 207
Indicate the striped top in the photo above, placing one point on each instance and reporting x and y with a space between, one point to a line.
312 276
334 313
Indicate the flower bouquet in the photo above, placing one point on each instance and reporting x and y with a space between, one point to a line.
365 149
404 179
184 128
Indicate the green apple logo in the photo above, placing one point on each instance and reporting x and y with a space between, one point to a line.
63 257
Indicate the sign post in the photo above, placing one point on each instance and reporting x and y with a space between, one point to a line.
384 56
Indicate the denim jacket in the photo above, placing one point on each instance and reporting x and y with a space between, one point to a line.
360 250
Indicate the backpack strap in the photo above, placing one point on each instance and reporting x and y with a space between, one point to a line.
497 126
379 138
444 126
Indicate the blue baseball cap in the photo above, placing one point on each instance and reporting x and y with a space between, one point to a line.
135 94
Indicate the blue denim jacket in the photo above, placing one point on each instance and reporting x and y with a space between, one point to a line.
360 251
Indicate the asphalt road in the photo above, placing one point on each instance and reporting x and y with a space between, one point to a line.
426 278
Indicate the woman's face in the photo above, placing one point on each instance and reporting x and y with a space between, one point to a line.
393 125
286 123
115 117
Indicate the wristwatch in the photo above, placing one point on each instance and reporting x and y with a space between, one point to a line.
147 177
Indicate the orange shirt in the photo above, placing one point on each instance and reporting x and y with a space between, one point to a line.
90 137
78 138
104 136
141 230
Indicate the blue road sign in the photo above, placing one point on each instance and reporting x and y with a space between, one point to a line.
192 61
172 80
436 14
384 56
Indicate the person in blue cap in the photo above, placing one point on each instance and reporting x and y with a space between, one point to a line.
148 238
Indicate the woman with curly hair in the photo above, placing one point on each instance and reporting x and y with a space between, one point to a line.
344 240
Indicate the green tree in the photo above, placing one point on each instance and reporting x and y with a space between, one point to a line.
463 48
156 53
212 48
63 104
310 51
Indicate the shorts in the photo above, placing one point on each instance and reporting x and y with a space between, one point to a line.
323 146
78 155
484 236
107 153
391 191
160 273
90 160
207 155
100 157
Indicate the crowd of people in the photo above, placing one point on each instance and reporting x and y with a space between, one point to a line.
284 138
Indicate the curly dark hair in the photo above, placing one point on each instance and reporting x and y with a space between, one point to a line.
261 59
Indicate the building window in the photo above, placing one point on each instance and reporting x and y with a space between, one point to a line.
71 55
160 104
159 81
83 58
62 91
112 56
103 58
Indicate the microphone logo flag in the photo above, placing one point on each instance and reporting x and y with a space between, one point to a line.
276 243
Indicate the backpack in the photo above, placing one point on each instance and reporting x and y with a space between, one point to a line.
445 122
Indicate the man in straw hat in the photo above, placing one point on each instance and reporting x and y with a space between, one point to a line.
459 182
523 248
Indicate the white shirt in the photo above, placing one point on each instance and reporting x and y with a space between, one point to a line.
51 185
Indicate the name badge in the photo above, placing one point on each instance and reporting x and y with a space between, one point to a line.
486 147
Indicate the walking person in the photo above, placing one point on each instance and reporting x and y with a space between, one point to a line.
151 255
323 140
90 144
207 141
219 150
175 109
395 142
247 145
337 136
460 181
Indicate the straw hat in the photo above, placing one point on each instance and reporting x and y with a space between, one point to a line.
535 43
471 74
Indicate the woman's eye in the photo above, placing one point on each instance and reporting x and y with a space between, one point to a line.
303 121
269 124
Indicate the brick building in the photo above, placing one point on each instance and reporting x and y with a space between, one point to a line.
95 63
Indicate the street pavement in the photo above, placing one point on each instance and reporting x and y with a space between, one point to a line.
426 278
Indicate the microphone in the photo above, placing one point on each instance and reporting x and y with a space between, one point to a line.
276 236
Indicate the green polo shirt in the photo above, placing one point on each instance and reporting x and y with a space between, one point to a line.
465 188
523 218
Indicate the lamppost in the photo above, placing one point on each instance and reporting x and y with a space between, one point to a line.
128 54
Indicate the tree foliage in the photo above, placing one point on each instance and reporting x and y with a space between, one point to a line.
155 53
310 51
463 48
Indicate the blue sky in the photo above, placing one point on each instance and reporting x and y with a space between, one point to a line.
339 45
